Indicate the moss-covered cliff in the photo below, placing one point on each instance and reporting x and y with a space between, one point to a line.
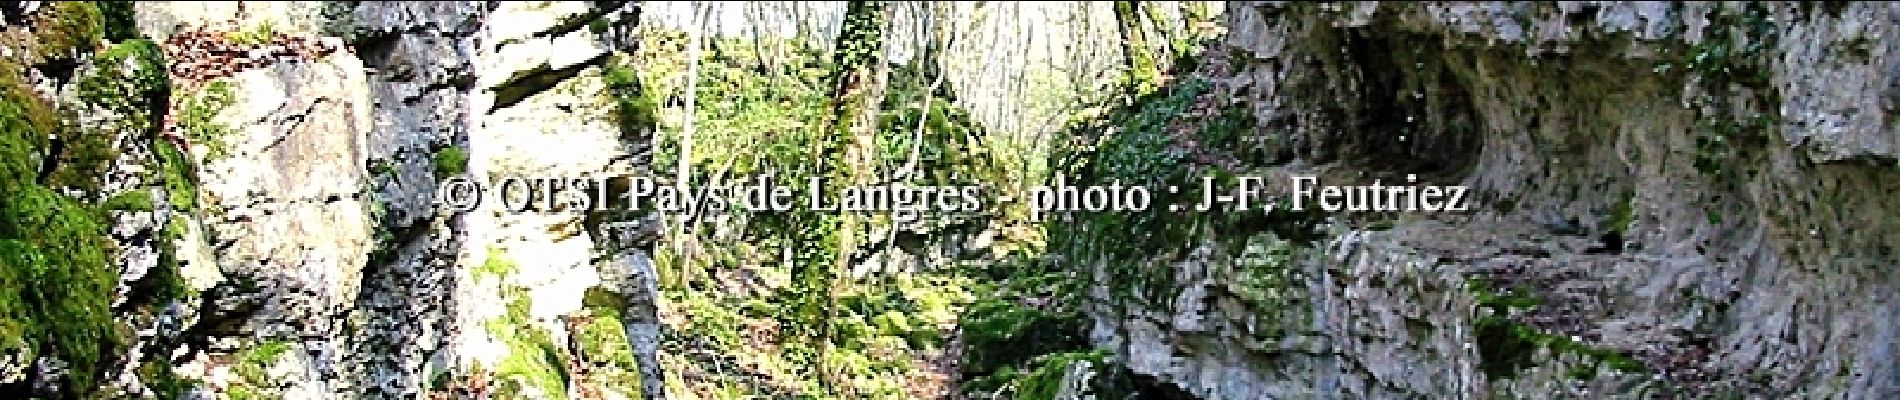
1676 200
246 200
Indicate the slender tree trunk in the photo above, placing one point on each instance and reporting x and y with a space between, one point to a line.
1164 32
1200 16
683 168
1143 74
847 158
682 173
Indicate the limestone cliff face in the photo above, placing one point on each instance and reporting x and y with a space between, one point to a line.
321 262
1671 200
1674 200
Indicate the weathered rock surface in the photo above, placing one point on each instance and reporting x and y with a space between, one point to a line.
287 209
1727 169
322 214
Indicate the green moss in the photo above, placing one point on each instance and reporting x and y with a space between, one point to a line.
84 158
253 366
198 113
241 392
599 25
56 276
634 112
167 282
1156 142
380 168
261 34
131 78
533 360
440 379
131 200
1624 215
120 24
1044 377
254 363
604 345
1733 57
1506 346
998 334
68 29
128 83
177 175
498 266
451 162
1260 278
164 382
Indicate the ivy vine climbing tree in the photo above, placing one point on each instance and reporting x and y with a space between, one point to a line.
847 156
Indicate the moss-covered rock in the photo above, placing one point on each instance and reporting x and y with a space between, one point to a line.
604 349
56 279
129 76
198 117
253 366
177 175
634 110
535 367
124 89
451 162
131 200
68 29
118 18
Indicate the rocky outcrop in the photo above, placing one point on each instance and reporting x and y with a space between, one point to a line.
1674 200
336 271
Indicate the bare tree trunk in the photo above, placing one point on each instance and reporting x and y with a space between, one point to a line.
1164 32
683 168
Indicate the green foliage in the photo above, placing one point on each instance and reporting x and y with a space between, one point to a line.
177 175
198 114
165 383
68 28
381 168
254 363
604 345
1739 103
1001 334
261 34
1144 74
533 360
1623 215
56 277
167 282
770 113
130 200
498 266
119 22
85 156
536 366
634 110
860 45
1260 278
1043 377
451 161
1162 140
128 84
131 79
1506 346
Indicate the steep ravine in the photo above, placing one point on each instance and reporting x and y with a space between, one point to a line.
1670 200
1674 200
